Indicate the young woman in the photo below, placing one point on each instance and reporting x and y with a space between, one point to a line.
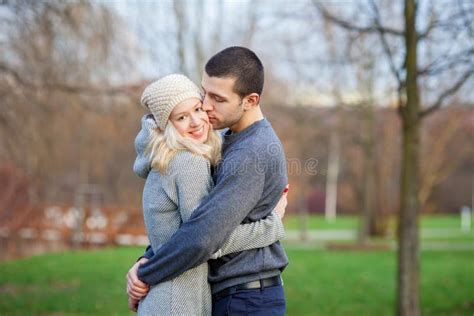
175 151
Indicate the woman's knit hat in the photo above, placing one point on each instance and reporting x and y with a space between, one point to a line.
161 96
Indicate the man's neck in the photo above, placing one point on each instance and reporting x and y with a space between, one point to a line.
247 119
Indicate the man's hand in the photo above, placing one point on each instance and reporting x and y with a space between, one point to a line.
132 304
281 205
136 289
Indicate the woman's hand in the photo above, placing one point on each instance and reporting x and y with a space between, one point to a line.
280 208
136 289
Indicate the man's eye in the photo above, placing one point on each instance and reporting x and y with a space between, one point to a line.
199 109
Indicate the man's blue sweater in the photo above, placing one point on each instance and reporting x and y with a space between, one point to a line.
248 184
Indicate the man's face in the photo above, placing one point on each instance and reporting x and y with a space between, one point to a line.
222 104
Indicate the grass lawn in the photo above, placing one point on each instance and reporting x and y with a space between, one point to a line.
319 222
434 228
316 283
352 222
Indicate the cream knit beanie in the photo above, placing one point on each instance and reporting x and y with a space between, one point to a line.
161 96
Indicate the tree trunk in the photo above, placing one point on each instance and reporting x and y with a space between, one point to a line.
303 215
408 254
179 10
331 178
367 226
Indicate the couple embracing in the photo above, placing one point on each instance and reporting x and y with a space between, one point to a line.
212 203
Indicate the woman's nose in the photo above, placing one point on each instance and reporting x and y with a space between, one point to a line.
193 120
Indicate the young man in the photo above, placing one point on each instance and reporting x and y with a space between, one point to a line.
248 184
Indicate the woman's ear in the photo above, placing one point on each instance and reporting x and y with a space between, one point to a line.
251 101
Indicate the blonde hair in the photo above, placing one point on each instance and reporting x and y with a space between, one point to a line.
163 146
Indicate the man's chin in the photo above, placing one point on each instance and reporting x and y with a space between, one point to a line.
216 126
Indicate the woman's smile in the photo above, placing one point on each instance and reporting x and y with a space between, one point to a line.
200 133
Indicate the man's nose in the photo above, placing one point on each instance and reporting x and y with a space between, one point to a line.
206 104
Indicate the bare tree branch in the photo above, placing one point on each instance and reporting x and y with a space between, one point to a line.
179 10
445 62
467 20
353 27
14 74
432 24
395 70
423 35
111 91
447 93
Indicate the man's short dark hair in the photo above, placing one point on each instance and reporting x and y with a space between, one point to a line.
239 63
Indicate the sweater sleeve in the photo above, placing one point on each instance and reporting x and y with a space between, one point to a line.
236 193
142 164
148 253
253 235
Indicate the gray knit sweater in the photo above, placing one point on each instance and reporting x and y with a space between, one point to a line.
248 184
168 201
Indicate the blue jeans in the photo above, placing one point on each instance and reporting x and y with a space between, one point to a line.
267 301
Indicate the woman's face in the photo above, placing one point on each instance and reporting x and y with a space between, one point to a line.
190 120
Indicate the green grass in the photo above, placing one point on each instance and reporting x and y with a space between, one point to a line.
441 221
316 283
352 222
319 222
357 283
74 282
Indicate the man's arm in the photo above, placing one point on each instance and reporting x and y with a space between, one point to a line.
253 235
234 196
148 253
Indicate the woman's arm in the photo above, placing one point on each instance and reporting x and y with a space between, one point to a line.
142 164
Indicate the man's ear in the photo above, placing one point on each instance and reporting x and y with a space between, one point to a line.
251 101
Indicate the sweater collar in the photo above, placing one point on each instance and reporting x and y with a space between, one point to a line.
230 137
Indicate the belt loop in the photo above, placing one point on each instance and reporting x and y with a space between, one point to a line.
262 285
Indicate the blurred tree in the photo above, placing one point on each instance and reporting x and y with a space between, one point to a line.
57 64
407 76
334 148
366 76
440 159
